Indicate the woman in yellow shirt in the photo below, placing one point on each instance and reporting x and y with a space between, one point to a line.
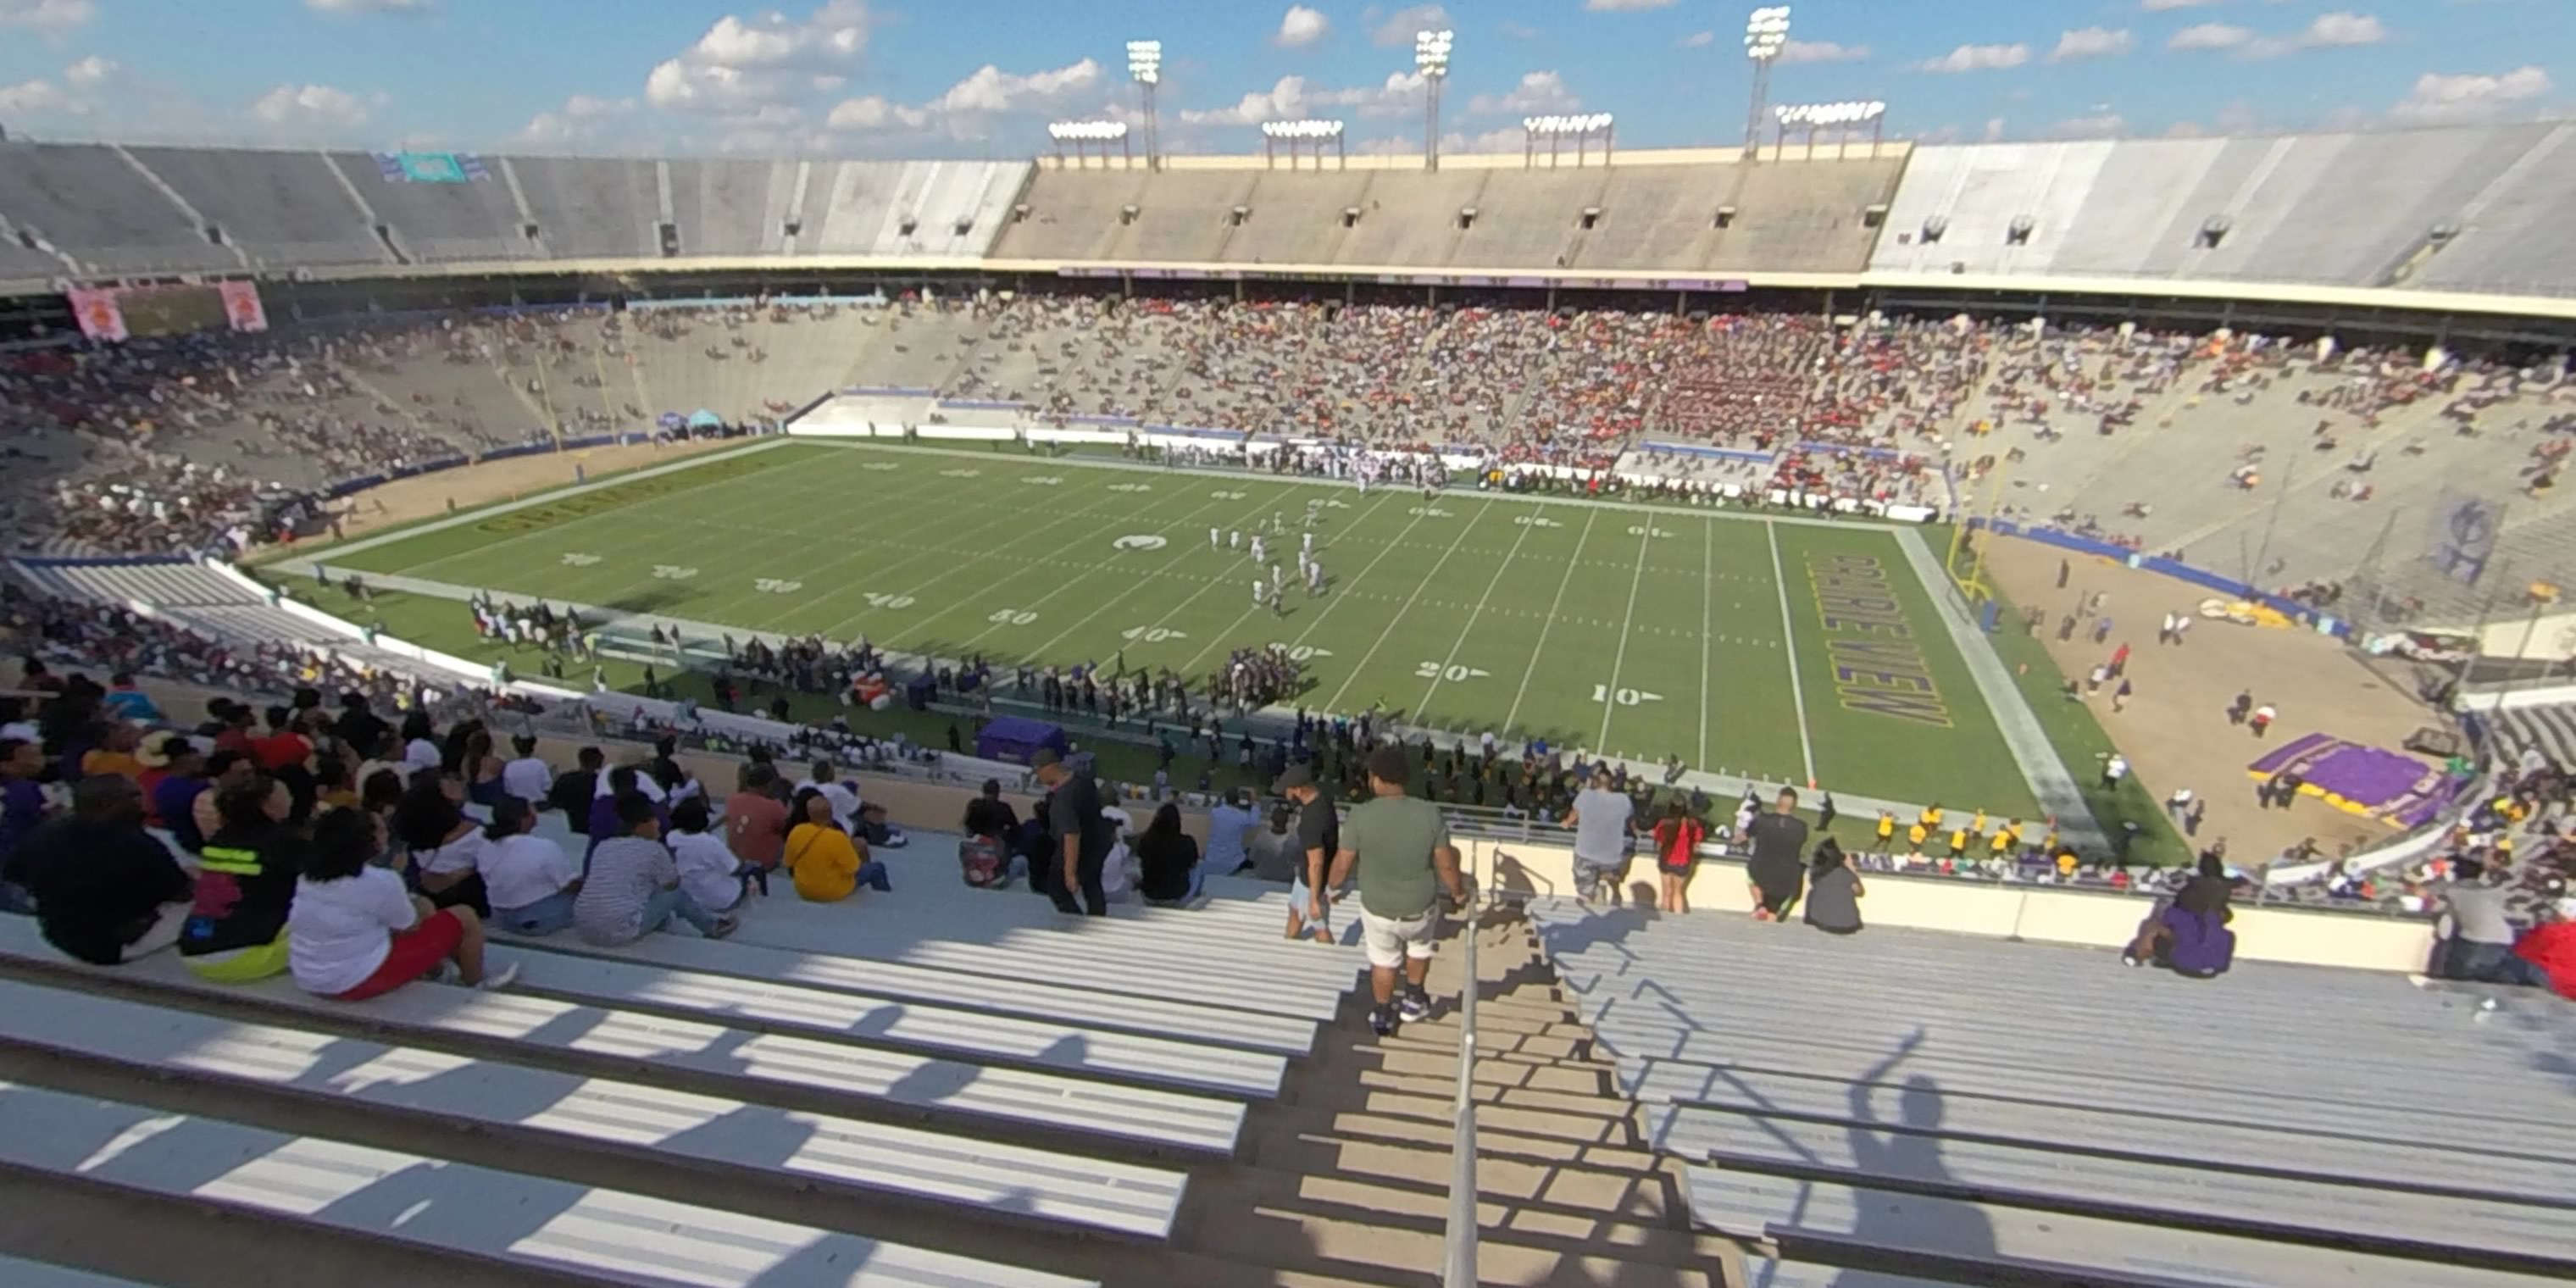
827 863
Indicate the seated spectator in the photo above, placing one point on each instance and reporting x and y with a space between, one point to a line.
527 776
1230 826
114 753
1834 890
331 784
2546 955
708 869
105 890
123 701
991 824
281 746
874 829
1169 860
1274 850
623 781
825 863
482 769
529 880
633 886
2190 936
572 793
442 844
22 811
844 796
353 931
223 769
1677 840
755 819
245 882
2478 939
419 743
173 774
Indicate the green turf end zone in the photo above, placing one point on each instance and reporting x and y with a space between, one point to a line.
1640 631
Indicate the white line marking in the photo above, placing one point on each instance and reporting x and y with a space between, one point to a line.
1707 597
1789 631
1544 624
1610 700
1470 628
1434 575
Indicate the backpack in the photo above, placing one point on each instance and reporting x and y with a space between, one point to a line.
980 859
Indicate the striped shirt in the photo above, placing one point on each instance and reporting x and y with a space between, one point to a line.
625 872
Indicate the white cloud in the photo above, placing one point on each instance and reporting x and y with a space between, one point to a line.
371 6
1994 129
1977 58
311 106
2443 100
1623 6
2099 126
965 109
34 96
1697 40
2091 42
1301 26
1399 26
1821 51
2210 35
740 64
1401 93
1537 93
872 112
90 71
2343 30
581 120
1285 101
51 18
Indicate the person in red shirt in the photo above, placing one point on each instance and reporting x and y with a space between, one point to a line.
755 820
236 733
282 746
1677 839
2546 953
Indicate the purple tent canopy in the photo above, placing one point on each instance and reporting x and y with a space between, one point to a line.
2398 789
1017 738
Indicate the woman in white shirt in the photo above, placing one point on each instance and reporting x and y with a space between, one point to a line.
444 845
529 880
354 932
709 872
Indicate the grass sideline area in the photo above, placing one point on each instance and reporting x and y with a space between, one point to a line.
1739 643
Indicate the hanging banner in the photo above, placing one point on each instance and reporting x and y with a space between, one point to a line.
242 307
101 316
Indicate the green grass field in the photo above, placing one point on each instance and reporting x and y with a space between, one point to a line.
1645 633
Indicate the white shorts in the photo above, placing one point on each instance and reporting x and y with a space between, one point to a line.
1390 942
1298 895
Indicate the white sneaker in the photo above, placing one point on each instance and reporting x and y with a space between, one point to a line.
496 980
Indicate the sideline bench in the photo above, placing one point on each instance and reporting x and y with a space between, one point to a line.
1134 1116
1820 1221
606 1236
1054 1000
760 1004
866 1159
2536 1240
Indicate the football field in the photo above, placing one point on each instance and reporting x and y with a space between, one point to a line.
1777 649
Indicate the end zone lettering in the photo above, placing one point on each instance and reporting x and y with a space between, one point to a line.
1877 668
582 505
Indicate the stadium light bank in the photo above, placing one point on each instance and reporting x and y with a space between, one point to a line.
1296 134
1431 58
1838 117
1766 33
1082 136
1556 129
1145 65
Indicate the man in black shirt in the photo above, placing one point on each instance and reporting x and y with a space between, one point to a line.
1776 871
105 890
574 789
1319 838
1083 838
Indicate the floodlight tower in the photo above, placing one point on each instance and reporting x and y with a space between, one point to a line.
1431 58
1766 32
1145 63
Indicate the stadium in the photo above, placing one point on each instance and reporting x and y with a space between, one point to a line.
2117 547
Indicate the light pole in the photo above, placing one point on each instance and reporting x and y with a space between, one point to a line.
1555 129
1082 134
1145 63
1431 57
1839 117
1765 33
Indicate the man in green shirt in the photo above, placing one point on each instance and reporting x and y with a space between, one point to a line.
1400 846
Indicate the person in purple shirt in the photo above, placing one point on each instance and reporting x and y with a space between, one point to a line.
22 808
174 792
603 820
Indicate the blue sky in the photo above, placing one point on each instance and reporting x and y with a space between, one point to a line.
982 77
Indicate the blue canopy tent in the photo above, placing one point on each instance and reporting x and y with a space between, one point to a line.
704 419
1017 738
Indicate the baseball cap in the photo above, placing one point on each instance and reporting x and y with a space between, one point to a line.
1295 776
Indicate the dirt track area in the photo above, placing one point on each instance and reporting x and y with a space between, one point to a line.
2175 730
427 495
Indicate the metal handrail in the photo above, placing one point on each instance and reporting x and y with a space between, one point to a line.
1458 1265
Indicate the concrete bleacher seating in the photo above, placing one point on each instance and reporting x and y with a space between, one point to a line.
587 208
955 208
433 222
1978 1111
18 1272
731 207
199 598
286 209
91 203
2507 240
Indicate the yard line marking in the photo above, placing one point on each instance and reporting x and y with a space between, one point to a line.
1105 605
1609 699
1545 623
1789 631
1191 666
327 557
1390 548
1707 596
1424 705
1362 664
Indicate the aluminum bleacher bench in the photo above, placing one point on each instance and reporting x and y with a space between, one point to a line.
1061 1048
18 1272
603 1236
867 1077
1988 1242
2534 1239
867 1160
1066 1003
1770 1272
